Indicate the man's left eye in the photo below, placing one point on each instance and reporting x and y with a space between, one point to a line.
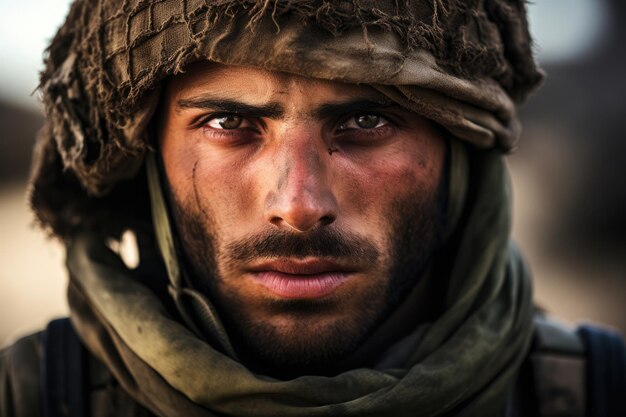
363 121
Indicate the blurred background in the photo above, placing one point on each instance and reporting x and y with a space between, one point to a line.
568 173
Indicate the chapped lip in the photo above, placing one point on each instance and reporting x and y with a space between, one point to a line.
310 278
307 266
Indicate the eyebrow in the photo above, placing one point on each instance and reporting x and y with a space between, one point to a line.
274 110
329 110
269 110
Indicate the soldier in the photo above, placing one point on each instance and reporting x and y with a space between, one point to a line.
322 214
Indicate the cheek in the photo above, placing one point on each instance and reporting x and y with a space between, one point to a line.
214 185
372 188
230 193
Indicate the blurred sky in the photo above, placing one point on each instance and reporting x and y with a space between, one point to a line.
564 29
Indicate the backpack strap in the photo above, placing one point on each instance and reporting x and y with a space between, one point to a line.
557 360
64 371
577 373
606 371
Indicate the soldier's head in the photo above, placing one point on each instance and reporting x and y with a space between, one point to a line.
307 161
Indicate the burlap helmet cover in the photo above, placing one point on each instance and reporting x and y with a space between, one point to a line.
446 59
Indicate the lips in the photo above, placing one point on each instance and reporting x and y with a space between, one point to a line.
308 279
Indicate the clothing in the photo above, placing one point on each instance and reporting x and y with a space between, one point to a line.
567 373
20 381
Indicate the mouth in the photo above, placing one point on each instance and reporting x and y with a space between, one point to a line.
301 279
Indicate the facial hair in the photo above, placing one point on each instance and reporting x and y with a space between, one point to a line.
414 232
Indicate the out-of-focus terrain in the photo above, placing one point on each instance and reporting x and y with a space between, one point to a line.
569 174
569 195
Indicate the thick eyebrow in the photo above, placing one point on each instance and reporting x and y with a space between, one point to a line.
329 110
274 110
269 110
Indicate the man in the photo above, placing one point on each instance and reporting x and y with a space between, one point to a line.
321 209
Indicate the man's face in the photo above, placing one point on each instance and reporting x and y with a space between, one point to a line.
306 209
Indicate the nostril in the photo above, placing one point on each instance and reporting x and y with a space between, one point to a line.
301 224
326 220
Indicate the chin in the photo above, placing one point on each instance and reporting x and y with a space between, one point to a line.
310 336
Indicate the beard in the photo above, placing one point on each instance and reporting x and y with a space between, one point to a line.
309 340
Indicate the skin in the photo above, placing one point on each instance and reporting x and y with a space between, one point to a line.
264 167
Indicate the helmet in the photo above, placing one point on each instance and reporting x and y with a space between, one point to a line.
463 64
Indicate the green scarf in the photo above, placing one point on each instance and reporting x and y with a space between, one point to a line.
461 363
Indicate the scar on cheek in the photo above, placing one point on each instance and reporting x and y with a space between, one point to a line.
195 188
332 150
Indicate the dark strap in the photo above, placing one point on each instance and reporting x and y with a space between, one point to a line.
64 371
574 373
557 360
606 371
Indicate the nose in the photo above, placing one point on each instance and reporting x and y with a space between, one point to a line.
302 198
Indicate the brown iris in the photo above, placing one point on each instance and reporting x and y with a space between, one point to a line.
231 121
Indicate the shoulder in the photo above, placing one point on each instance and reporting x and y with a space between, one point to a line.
52 371
572 372
20 377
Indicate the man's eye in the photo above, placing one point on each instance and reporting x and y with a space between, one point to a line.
363 121
227 122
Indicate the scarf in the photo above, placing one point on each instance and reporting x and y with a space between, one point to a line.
461 363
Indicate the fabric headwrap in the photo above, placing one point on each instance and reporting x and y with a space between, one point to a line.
463 64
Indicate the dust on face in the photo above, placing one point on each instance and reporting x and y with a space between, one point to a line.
303 251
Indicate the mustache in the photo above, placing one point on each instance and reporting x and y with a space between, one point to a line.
327 243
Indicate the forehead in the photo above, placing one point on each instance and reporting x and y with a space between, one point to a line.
259 85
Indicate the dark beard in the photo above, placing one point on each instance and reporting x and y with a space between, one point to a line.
416 225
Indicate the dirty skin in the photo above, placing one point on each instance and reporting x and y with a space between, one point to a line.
195 189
